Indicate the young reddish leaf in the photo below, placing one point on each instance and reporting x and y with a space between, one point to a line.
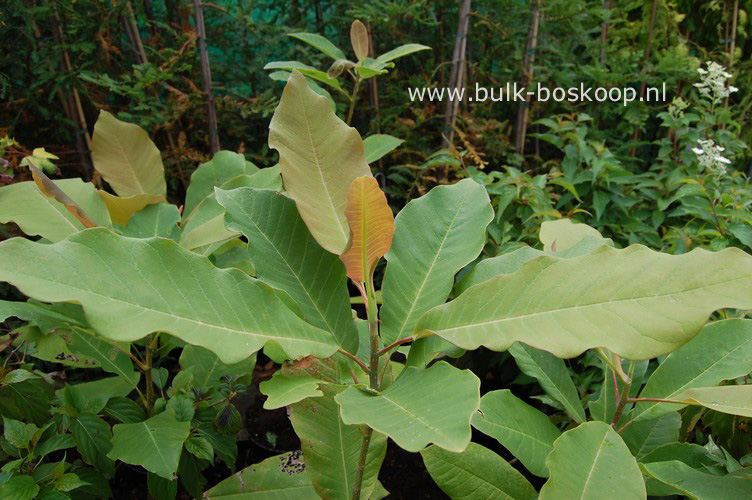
359 39
48 188
371 225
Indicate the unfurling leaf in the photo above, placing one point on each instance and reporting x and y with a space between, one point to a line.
320 157
359 39
125 156
371 225
48 188
338 67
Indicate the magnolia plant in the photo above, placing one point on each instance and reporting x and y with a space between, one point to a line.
249 266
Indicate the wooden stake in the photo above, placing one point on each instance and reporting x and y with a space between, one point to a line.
458 71
206 75
523 109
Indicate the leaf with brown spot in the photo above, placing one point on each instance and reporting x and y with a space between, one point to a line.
48 188
359 39
371 226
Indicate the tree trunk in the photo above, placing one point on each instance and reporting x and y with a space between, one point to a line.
456 78
206 75
523 109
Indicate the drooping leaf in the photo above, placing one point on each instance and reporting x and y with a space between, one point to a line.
122 208
563 234
331 448
721 351
732 399
160 488
527 433
592 462
371 225
401 51
280 477
37 214
319 156
321 43
92 436
435 236
207 369
553 376
126 158
423 406
130 287
697 484
154 220
645 436
379 145
282 390
286 256
635 302
154 444
51 190
476 472
359 39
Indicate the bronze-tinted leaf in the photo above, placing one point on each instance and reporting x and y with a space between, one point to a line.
371 226
48 188
359 39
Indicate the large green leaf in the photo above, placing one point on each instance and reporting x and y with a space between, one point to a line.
282 477
19 487
223 166
207 369
698 484
635 302
527 433
331 448
125 156
160 219
286 256
37 214
93 440
282 390
646 435
563 234
511 262
131 287
476 472
423 406
154 444
379 145
435 236
110 358
552 374
205 225
320 156
321 43
732 399
721 351
592 462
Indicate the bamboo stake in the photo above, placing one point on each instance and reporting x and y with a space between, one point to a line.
455 79
206 75
523 109
643 85
604 31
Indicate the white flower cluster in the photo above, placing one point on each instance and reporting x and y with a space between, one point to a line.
709 156
713 83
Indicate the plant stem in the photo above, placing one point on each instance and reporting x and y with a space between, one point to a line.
356 359
373 328
148 354
394 344
353 99
361 463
